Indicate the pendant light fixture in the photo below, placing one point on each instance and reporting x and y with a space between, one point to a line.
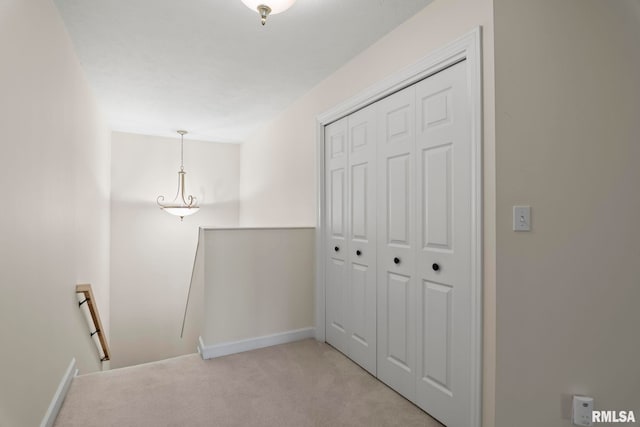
181 206
268 7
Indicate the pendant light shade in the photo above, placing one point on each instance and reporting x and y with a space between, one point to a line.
268 7
181 205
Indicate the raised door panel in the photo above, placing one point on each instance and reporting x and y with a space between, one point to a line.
359 201
399 198
336 214
437 191
435 320
396 242
443 162
399 324
336 311
362 339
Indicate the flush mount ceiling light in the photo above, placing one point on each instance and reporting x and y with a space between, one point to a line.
268 7
180 206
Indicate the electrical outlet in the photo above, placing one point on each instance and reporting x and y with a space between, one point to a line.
582 409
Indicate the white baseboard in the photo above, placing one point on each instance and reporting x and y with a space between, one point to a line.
224 349
58 397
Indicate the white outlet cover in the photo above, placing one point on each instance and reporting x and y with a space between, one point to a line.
582 409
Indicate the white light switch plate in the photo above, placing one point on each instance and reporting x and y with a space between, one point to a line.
522 218
582 409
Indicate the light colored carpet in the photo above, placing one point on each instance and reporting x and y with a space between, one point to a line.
306 383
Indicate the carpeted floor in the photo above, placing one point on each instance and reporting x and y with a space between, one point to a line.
306 383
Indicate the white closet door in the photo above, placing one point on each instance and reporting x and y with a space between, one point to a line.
362 238
337 249
396 242
443 158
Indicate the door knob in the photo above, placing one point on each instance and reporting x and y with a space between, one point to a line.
396 260
337 249
358 252
435 267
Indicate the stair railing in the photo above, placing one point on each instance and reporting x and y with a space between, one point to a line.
85 296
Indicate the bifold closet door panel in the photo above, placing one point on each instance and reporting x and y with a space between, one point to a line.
398 208
444 165
362 238
337 248
396 242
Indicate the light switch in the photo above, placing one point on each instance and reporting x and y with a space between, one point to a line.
522 218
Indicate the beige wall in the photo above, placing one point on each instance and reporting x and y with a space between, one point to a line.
568 144
152 252
274 295
55 228
278 172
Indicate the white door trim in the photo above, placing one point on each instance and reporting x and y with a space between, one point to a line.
468 48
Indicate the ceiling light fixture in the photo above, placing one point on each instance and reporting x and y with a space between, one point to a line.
268 7
180 206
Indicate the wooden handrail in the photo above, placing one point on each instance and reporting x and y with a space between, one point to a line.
95 316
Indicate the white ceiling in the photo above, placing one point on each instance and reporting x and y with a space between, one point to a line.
208 66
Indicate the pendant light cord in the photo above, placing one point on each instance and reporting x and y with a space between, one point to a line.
181 152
